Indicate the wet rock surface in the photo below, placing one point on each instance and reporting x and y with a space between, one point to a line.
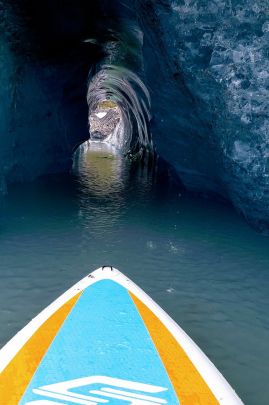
103 122
215 66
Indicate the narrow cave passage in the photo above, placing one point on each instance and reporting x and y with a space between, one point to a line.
99 159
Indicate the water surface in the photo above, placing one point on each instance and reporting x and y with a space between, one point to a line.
198 259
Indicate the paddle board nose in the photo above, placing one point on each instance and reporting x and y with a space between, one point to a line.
105 341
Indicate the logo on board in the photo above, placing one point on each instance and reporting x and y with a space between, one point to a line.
96 390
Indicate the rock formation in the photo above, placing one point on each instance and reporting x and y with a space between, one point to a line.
204 66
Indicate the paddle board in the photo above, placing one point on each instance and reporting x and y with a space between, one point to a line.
105 341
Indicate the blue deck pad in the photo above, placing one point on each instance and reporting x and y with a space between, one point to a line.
103 336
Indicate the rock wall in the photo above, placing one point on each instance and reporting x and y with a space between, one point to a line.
210 95
44 66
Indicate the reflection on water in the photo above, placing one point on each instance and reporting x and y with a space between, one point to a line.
101 178
99 166
197 258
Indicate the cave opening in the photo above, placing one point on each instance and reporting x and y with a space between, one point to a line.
119 109
105 123
100 157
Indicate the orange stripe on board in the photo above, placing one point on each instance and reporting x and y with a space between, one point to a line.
189 385
15 378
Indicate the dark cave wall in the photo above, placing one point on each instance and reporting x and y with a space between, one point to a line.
211 89
44 70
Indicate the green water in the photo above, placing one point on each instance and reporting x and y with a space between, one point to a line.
198 259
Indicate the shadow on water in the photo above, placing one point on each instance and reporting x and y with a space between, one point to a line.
196 257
